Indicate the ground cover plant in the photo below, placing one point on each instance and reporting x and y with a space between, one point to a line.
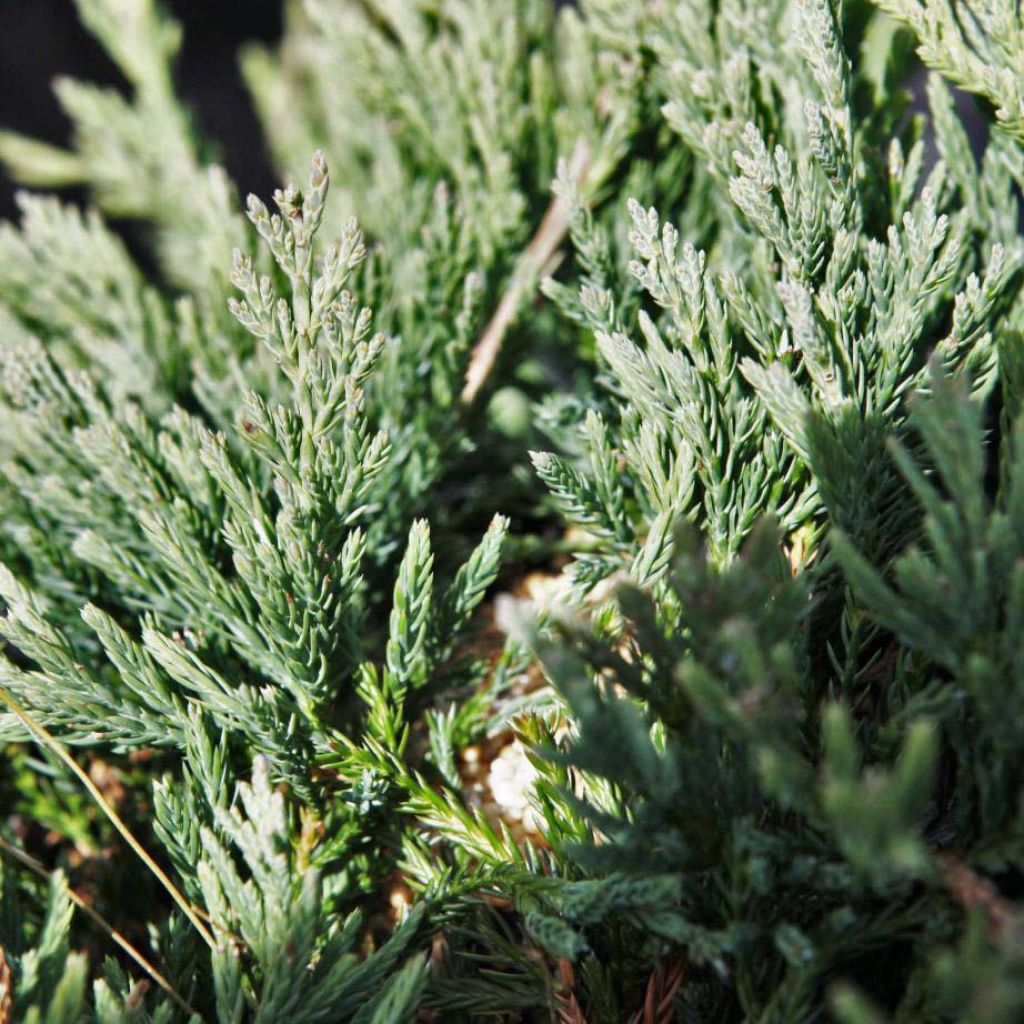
559 558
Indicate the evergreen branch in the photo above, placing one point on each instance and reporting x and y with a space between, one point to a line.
778 380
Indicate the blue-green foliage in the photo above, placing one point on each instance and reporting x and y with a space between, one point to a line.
757 324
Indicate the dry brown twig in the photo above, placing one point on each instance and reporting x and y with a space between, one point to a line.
535 258
662 988
568 1007
659 1001
972 891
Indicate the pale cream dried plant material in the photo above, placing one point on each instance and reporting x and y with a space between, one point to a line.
511 780
545 589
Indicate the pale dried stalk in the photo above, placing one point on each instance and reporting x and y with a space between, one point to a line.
50 741
33 865
539 252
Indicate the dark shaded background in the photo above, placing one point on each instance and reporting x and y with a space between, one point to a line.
40 39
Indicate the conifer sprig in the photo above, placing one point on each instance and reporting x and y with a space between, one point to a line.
750 750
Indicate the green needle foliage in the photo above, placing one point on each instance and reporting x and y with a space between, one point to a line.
751 305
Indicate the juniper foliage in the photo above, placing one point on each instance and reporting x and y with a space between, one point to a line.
755 313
